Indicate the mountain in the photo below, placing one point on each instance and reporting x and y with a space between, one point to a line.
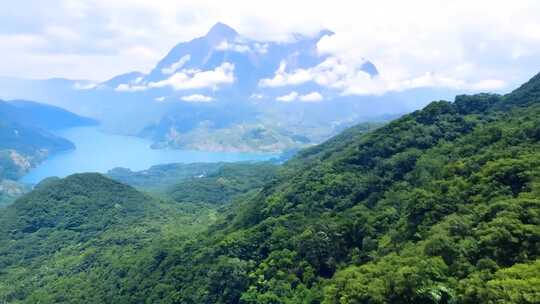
212 81
11 190
61 214
78 225
229 182
22 147
208 183
42 116
224 91
58 203
249 61
160 178
124 78
438 206
27 138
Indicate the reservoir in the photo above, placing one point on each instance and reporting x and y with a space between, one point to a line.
97 151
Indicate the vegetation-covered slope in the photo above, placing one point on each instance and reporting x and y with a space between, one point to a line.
439 206
228 182
70 210
160 178
71 240
10 190
208 183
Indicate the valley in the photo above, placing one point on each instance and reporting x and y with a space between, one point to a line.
269 152
98 151
438 206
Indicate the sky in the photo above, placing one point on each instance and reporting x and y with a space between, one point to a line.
477 45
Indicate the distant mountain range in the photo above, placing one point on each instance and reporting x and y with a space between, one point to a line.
225 66
42 116
226 92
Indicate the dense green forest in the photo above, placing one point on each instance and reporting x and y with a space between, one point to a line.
199 182
71 237
160 178
224 185
439 206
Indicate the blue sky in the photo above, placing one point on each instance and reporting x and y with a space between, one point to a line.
477 45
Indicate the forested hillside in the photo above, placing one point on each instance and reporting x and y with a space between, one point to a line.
439 206
160 178
73 240
228 182
209 183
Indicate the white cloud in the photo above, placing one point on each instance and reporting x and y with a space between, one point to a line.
261 48
84 85
186 79
331 73
124 87
62 33
312 97
489 84
175 66
292 96
257 96
195 79
366 86
232 46
282 78
348 79
197 98
98 39
160 99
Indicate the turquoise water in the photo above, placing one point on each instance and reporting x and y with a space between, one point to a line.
98 152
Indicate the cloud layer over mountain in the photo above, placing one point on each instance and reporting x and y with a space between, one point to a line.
412 43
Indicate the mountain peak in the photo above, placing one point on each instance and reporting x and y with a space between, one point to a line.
221 31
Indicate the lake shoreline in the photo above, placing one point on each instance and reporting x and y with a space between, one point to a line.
99 151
